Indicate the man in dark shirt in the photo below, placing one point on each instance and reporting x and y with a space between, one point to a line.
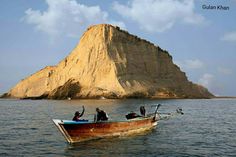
78 115
143 111
101 115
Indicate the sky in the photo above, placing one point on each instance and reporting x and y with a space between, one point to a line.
202 42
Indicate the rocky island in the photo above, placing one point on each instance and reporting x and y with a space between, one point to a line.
110 63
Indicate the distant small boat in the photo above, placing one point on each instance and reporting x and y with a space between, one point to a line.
78 131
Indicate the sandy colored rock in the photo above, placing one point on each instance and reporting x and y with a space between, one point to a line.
109 62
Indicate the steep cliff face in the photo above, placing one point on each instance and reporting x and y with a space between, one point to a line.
109 62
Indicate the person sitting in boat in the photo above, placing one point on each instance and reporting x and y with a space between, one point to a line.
142 111
101 115
78 115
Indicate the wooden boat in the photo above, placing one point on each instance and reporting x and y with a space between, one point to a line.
78 131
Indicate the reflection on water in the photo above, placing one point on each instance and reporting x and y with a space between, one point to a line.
107 147
208 128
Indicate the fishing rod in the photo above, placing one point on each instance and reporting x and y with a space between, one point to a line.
166 116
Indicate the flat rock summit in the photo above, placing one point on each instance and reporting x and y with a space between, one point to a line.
110 63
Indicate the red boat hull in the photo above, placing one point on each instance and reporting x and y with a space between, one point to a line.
77 132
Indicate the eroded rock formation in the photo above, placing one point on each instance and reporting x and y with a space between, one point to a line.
109 62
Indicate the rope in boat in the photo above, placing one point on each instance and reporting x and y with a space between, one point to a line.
167 116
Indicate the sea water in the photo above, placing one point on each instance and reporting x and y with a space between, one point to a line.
207 128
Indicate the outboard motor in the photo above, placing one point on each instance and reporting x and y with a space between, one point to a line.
157 116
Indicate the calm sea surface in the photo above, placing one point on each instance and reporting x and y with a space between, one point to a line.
208 128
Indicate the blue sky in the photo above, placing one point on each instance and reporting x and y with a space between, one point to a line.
34 34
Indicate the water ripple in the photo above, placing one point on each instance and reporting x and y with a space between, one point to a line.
207 128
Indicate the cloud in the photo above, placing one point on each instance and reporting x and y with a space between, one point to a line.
194 64
190 64
159 15
230 36
224 71
66 17
206 80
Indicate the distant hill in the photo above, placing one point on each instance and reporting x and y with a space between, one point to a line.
111 63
